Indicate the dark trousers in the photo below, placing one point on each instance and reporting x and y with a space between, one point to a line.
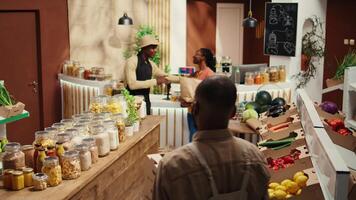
191 126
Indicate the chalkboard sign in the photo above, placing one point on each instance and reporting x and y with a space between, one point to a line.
281 29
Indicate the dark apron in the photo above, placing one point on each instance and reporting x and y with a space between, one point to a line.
235 195
143 73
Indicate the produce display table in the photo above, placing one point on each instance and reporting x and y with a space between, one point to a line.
120 175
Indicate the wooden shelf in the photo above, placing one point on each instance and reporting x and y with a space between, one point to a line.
333 88
24 114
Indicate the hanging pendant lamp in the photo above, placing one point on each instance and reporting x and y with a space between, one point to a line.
250 22
125 20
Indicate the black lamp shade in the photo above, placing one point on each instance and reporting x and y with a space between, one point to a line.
125 20
250 22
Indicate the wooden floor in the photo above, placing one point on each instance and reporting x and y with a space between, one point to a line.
120 175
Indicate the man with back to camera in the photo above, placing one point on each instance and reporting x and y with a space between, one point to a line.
215 165
142 74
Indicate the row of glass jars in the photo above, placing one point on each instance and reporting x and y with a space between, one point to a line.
104 103
265 75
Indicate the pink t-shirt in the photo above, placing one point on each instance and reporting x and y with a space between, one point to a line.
203 74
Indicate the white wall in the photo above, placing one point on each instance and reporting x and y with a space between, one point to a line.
178 34
306 9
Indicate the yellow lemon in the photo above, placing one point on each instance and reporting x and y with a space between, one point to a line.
299 192
271 195
300 173
273 185
289 196
284 182
281 187
301 180
280 194
292 187
270 190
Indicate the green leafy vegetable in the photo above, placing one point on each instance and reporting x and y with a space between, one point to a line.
5 99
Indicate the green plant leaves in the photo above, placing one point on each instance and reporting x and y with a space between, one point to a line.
349 60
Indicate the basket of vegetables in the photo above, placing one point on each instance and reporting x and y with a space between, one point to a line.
8 107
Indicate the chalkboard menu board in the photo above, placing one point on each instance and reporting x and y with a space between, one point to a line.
281 29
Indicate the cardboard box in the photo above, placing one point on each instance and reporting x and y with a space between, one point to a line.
9 111
278 135
347 141
325 115
285 151
292 110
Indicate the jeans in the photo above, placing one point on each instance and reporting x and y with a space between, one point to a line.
191 126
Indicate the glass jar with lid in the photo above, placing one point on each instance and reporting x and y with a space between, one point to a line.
258 78
120 98
40 159
120 124
52 132
249 79
70 165
76 138
43 138
111 129
77 117
114 105
282 73
98 103
82 130
17 180
68 123
52 169
39 181
7 176
64 140
13 157
88 114
61 127
28 173
68 67
29 152
84 156
264 75
102 140
273 74
90 141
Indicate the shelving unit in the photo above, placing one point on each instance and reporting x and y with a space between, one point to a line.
349 97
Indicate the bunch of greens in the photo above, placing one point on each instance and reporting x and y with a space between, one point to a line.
5 98
132 115
348 61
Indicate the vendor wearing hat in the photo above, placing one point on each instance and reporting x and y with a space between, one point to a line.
141 73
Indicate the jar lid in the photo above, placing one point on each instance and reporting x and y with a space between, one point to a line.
12 146
50 129
77 116
40 176
79 127
67 121
83 121
17 173
27 170
40 134
71 154
8 171
72 131
99 115
89 141
49 160
97 129
98 118
27 147
109 123
82 147
63 137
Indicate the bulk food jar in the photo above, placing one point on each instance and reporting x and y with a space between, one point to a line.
70 165
84 156
90 141
102 140
29 152
75 137
39 181
97 104
17 180
113 105
77 117
13 157
52 132
120 124
61 127
111 129
64 140
52 169
82 130
43 138
68 123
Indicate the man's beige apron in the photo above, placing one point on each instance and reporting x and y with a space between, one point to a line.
236 195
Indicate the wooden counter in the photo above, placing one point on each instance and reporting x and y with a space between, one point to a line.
120 175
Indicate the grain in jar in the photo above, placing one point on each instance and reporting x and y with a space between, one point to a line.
249 79
39 181
61 127
7 176
40 159
120 124
102 140
70 165
68 123
64 139
273 74
28 173
98 103
29 151
88 114
82 130
90 141
43 138
111 129
52 169
17 180
13 158
264 75
258 78
84 156
77 117
282 73
76 139
52 132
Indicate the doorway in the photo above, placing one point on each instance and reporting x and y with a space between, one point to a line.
20 67
229 31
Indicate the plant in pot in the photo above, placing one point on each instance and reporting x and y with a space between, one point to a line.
8 107
313 49
349 60
132 115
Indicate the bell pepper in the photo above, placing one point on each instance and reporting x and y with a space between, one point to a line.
343 131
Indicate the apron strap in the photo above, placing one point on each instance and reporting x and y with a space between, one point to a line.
194 149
